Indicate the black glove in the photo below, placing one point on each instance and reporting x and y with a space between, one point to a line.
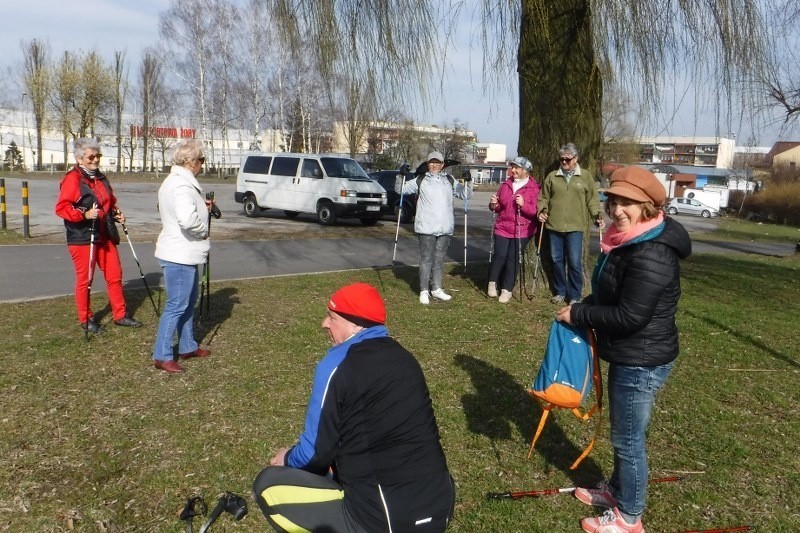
466 175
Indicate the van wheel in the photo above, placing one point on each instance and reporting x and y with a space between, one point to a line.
291 214
369 221
250 206
705 214
673 211
326 214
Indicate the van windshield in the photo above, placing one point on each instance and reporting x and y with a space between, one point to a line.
341 167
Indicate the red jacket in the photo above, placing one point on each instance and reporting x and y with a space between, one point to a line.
506 223
74 185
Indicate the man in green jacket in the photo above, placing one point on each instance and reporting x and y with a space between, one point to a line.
567 201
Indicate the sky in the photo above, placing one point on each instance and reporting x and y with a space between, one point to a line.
132 25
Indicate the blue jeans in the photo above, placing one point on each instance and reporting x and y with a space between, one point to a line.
181 283
570 243
631 394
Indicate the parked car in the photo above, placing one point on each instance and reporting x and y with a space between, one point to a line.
330 186
386 179
689 206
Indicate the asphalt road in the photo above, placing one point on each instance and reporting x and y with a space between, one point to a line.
242 247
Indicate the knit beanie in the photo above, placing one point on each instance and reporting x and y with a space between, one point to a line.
359 303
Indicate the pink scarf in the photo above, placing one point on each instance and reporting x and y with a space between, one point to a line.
615 238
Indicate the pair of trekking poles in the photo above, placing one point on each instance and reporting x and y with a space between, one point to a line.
466 176
92 260
521 281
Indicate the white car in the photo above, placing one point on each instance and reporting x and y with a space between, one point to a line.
689 206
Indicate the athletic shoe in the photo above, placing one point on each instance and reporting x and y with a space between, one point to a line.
492 291
557 299
128 322
93 326
439 294
599 496
573 302
611 522
505 296
424 298
197 353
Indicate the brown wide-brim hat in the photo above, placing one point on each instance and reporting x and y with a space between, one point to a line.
637 183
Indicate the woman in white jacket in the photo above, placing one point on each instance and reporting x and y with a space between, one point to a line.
181 247
434 223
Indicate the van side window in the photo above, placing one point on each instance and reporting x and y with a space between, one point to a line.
257 164
311 169
285 166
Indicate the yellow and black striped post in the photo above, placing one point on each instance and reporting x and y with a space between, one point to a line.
2 203
26 219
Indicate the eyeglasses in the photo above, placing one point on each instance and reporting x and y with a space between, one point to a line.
92 157
566 159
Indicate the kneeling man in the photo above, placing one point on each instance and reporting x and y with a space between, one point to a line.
369 458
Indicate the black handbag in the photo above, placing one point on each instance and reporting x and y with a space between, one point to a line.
112 233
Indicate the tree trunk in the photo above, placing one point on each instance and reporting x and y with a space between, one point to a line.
560 90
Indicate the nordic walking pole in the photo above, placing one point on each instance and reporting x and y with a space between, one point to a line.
519 254
719 529
141 273
92 230
399 217
467 177
546 492
538 256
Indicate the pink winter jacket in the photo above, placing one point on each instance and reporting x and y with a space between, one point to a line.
506 223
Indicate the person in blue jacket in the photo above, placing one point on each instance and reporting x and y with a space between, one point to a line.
369 457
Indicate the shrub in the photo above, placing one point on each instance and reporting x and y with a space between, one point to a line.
779 202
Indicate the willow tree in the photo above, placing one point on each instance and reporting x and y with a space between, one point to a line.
561 52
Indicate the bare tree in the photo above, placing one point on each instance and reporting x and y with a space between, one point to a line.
66 78
36 78
150 86
187 29
120 96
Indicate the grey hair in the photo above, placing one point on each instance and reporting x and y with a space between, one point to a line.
82 144
188 150
569 149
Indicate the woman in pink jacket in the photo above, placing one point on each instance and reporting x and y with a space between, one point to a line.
515 205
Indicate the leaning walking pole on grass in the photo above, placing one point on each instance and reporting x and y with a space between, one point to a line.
92 231
546 492
519 255
719 529
141 273
399 217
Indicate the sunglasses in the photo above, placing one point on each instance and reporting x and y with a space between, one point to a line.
92 157
202 160
565 159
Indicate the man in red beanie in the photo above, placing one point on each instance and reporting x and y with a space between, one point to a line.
369 458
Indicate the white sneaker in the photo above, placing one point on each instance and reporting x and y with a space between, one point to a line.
439 294
492 291
423 298
505 296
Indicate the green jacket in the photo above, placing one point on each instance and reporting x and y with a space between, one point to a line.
570 207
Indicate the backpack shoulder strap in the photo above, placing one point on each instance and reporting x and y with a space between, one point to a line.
597 407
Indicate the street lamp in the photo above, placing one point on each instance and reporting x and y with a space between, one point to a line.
23 130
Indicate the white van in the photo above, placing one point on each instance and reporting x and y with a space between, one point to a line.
328 185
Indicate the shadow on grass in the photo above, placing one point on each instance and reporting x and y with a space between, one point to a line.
499 404
220 308
745 338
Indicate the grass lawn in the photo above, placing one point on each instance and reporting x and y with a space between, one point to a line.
94 438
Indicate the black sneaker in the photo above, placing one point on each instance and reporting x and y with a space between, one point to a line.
93 327
128 322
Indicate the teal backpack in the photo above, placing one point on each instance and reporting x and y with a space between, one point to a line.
569 368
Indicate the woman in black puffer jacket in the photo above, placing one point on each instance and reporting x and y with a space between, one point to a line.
635 292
